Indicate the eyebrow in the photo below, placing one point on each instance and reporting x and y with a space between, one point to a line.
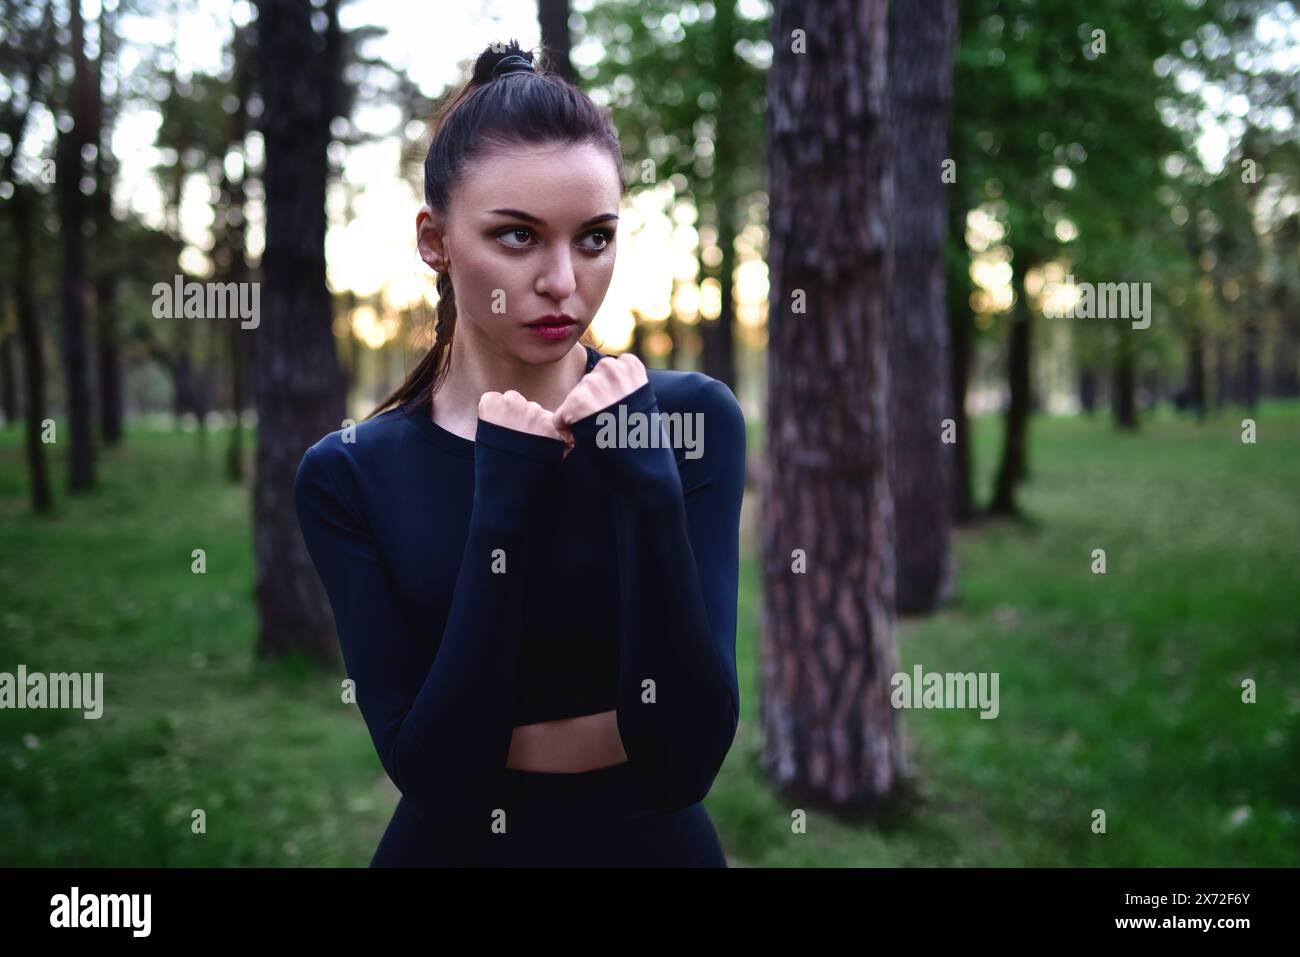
529 217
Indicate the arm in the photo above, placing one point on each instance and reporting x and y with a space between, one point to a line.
678 556
441 726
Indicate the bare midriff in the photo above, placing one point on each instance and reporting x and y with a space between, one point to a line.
568 745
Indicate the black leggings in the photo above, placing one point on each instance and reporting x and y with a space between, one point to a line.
552 819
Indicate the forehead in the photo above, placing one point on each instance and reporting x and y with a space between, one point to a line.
556 182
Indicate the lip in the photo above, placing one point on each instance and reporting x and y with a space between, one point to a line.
560 320
554 331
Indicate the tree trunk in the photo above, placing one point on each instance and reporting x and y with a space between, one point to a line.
718 336
111 400
1088 391
8 360
1249 377
299 385
1013 466
831 736
553 17
73 285
920 64
1196 374
1286 347
637 345
236 243
29 334
960 327
183 378
1124 402
111 410
1225 386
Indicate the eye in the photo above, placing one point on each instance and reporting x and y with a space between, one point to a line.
606 238
513 231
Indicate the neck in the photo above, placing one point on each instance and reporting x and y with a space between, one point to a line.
478 366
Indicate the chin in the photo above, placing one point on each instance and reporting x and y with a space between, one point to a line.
541 352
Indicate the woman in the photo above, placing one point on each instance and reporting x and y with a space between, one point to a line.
536 604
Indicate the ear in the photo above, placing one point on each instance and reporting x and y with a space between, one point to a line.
429 240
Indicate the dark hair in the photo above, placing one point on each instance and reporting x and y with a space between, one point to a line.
520 105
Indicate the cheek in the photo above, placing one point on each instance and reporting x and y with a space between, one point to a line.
599 272
490 278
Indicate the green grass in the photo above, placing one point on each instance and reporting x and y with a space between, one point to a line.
1120 692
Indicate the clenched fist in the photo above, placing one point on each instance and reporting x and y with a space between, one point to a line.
513 411
611 380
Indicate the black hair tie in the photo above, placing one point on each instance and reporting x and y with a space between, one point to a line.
514 63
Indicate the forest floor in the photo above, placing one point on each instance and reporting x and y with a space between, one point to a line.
1119 693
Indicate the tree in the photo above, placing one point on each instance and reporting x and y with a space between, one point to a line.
553 18
830 733
920 77
74 287
27 45
231 256
111 412
299 384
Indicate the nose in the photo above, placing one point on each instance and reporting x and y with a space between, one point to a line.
557 279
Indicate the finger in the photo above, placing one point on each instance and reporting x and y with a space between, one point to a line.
563 416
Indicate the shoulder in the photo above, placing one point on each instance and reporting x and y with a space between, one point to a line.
679 391
334 464
712 422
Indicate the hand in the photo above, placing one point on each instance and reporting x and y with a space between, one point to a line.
611 380
513 411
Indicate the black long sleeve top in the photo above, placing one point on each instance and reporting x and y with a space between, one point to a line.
481 585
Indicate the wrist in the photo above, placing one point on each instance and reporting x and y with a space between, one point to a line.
515 442
632 446
595 430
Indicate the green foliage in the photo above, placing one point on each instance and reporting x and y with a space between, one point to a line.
1054 121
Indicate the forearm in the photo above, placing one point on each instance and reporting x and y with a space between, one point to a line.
438 705
456 737
677 709
678 704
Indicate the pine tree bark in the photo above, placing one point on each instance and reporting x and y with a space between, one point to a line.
1013 465
236 243
1249 373
111 409
1196 373
553 18
920 64
8 361
831 736
29 335
1088 391
74 290
1124 402
1285 373
962 339
299 384
718 336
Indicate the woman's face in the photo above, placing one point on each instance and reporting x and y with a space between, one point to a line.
530 234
